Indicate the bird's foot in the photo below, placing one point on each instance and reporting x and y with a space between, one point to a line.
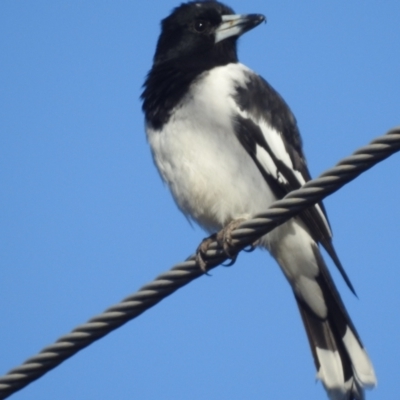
202 250
225 240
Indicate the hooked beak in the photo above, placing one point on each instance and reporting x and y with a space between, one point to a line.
236 25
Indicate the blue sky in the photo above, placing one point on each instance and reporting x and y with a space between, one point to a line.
85 219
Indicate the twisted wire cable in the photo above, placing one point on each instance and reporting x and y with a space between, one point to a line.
183 273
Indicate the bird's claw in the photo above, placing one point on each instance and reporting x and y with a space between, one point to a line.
251 247
224 240
202 250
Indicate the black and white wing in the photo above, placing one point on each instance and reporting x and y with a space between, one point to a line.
267 129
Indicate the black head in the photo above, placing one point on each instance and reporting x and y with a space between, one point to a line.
202 33
195 38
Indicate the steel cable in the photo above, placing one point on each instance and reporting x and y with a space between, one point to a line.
183 273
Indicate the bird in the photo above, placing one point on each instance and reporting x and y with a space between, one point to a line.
227 146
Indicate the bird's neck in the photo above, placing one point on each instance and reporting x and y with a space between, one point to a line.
169 80
164 88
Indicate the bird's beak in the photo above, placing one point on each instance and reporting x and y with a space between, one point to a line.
236 25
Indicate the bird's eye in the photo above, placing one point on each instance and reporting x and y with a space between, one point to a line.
200 25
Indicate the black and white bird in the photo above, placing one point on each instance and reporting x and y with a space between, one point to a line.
227 145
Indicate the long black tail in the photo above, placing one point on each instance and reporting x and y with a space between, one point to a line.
342 363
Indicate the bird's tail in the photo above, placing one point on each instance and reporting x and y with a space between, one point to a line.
342 362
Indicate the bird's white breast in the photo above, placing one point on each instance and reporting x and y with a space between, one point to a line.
211 176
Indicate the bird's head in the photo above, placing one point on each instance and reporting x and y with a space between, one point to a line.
202 33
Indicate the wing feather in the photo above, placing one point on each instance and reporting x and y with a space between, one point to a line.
268 130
